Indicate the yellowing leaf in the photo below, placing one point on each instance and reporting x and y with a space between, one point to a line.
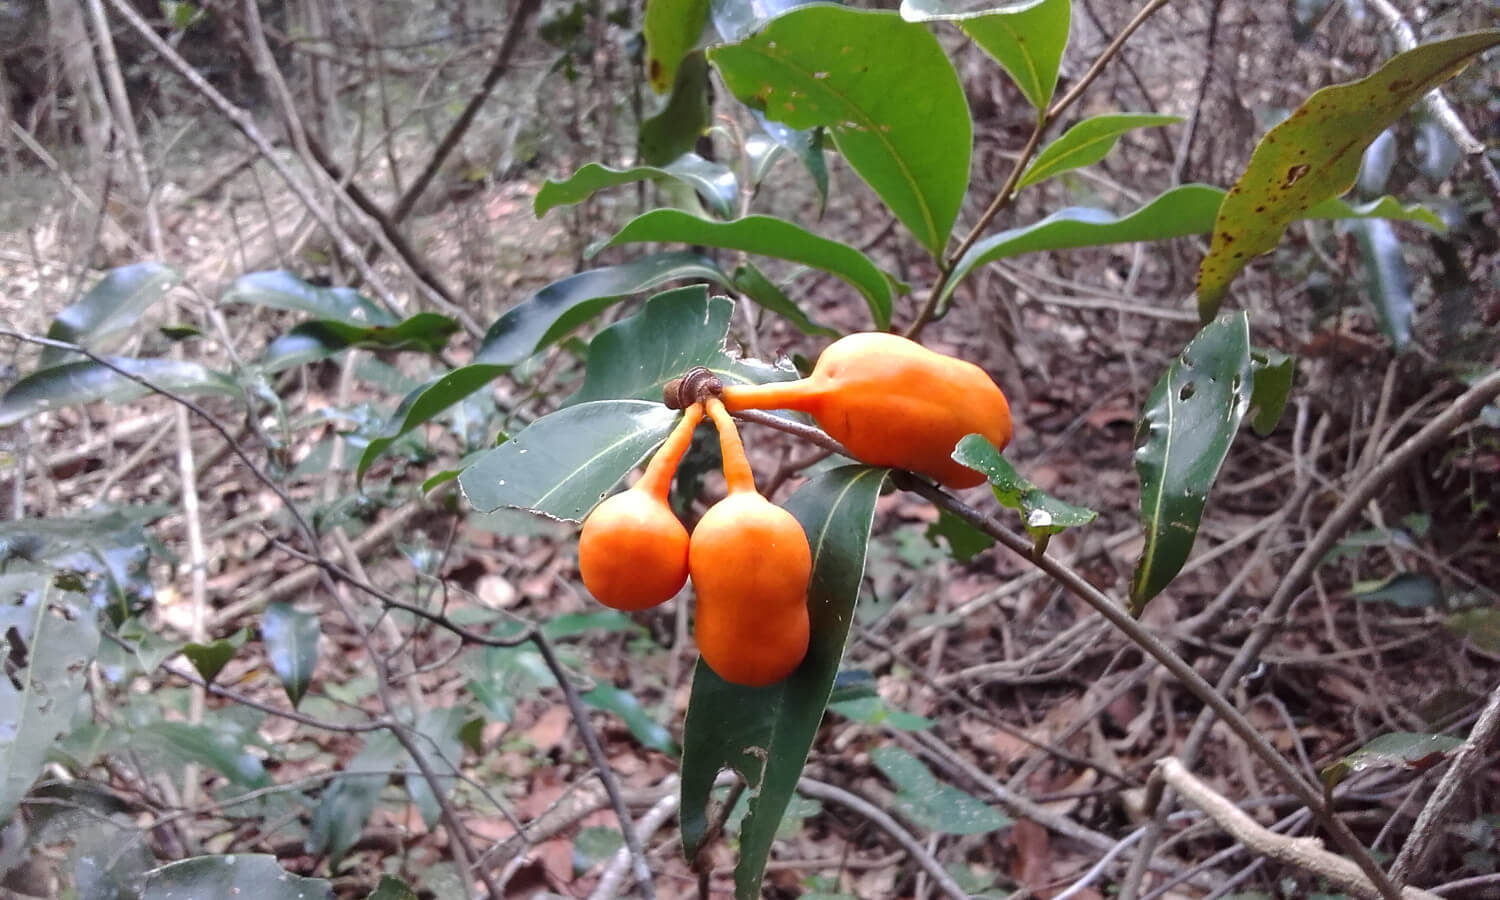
1315 155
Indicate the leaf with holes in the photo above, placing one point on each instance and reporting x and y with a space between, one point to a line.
765 733
1186 427
110 307
904 127
49 638
1041 513
768 236
1086 143
291 639
1315 154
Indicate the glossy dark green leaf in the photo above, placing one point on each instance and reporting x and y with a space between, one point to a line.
928 803
904 128
671 29
346 806
1399 749
392 888
765 733
1388 280
548 314
1027 39
1188 209
714 182
210 659
964 540
111 306
677 330
233 875
1086 143
1041 513
51 640
753 283
624 704
1273 385
426 403
1186 427
283 290
768 236
322 338
291 639
675 130
72 384
217 744
1315 154
563 464
1407 590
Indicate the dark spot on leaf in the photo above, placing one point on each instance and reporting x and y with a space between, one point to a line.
1294 174
653 69
1226 237
1261 208
1400 84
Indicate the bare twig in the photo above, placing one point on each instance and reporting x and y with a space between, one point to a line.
1412 859
879 818
1305 853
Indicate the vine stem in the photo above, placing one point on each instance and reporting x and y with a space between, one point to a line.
1007 193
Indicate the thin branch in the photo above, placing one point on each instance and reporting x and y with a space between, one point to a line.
1304 853
1412 859
879 818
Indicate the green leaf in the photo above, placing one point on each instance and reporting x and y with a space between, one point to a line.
1480 625
928 803
676 129
636 357
1386 207
768 236
392 888
964 540
903 127
1027 40
806 145
72 384
753 283
111 306
1315 154
217 744
1042 514
624 704
962 10
1400 749
671 29
425 403
283 290
321 338
874 711
1086 143
150 648
210 659
714 182
1389 280
49 639
235 875
561 306
442 742
736 19
291 639
347 804
1408 590
1274 371
1187 209
1186 427
765 733
563 464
